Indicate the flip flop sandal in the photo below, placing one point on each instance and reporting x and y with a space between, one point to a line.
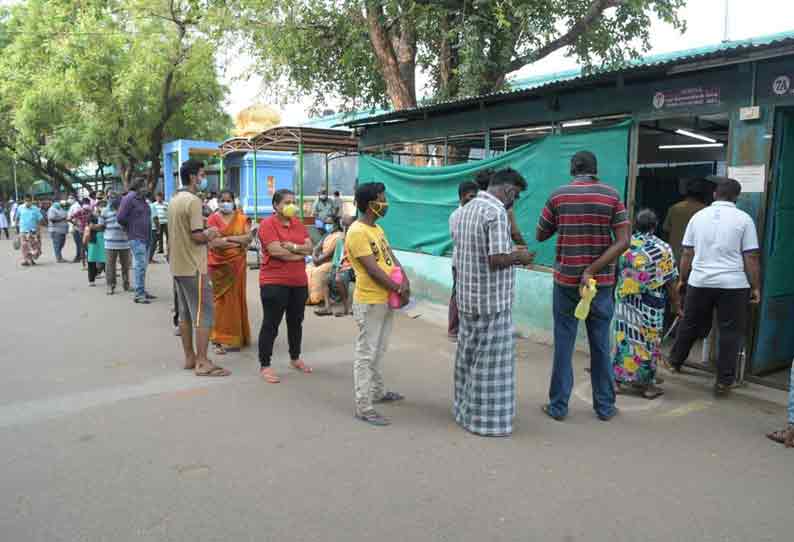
340 314
220 350
780 436
390 397
322 312
213 371
300 366
652 393
373 418
269 377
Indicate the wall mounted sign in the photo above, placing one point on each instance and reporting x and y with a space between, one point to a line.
752 178
782 85
686 97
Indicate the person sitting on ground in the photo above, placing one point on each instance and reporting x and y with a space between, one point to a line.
323 212
327 258
786 436
647 277
343 278
467 191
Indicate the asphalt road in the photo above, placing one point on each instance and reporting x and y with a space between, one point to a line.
104 437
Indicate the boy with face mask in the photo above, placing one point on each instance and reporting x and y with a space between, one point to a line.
373 261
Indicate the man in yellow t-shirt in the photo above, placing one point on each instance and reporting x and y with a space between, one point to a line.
372 260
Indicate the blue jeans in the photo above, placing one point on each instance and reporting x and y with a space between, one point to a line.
140 259
598 329
58 242
78 243
791 397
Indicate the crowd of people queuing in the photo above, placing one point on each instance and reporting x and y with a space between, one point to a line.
709 263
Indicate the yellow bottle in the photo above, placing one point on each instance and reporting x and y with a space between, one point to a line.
588 293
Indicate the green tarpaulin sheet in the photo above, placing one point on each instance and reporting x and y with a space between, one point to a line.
422 198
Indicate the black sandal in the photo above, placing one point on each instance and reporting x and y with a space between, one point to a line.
390 397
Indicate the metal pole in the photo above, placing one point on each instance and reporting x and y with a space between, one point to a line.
446 150
16 186
487 144
326 173
221 174
300 176
726 22
256 194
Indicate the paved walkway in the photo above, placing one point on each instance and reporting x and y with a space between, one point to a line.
104 437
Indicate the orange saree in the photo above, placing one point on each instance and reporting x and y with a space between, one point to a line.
227 268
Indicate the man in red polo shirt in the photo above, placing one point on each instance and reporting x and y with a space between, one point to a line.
283 285
592 232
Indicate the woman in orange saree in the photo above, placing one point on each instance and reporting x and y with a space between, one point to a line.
227 267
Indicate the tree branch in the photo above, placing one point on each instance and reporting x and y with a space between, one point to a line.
580 27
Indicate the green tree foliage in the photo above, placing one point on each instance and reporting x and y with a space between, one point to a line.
368 52
106 81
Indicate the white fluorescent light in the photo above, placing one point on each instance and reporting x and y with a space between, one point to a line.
692 146
538 129
695 136
575 123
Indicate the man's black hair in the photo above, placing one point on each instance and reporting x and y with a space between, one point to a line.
466 187
646 221
584 163
92 194
367 193
191 167
336 193
727 188
85 201
483 178
508 176
279 195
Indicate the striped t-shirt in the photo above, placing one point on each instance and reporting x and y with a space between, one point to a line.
584 214
115 236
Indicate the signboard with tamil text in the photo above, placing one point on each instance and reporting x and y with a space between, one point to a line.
686 97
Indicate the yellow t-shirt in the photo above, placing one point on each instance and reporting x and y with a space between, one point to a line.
363 240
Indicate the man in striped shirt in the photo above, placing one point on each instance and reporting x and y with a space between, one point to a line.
592 230
117 245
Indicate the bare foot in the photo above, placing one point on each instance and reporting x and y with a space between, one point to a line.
190 364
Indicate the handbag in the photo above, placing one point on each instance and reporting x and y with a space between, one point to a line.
17 243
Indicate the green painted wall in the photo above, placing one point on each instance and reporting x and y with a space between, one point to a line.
431 280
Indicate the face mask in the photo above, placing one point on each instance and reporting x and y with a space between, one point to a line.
87 207
227 207
63 204
379 208
70 201
289 210
323 198
329 228
203 184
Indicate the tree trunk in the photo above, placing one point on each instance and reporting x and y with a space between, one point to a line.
401 94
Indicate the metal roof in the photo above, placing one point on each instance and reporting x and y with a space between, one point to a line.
533 85
293 139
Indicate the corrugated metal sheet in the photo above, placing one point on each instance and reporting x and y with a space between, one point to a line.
529 86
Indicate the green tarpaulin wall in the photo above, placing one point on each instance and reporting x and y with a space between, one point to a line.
422 198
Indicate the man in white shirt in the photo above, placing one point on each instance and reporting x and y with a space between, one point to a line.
719 269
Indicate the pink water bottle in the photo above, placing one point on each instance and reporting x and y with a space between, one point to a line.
396 275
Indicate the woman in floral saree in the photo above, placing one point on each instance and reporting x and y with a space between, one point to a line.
646 280
227 267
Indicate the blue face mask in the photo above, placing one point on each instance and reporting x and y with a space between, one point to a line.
329 228
203 184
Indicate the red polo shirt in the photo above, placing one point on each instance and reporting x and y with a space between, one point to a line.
273 270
